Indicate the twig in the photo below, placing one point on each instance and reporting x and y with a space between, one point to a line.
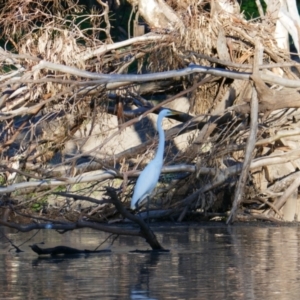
260 9
271 205
37 218
80 197
116 236
12 244
30 238
106 19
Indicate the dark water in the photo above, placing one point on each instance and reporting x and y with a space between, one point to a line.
205 262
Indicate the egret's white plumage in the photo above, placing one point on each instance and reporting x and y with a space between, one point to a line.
148 179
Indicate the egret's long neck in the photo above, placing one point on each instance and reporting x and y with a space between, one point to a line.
161 139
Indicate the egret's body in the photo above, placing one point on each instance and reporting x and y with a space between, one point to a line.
148 179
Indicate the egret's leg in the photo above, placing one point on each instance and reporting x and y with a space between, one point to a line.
148 202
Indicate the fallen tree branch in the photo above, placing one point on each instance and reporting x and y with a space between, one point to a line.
66 226
100 78
239 190
146 231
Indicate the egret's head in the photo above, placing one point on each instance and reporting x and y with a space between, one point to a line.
167 112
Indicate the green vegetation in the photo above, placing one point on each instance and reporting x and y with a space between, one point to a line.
250 10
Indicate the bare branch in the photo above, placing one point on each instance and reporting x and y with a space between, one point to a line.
239 191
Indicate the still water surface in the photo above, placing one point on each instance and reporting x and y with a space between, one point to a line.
204 262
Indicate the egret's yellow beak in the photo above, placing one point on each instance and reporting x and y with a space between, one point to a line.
175 113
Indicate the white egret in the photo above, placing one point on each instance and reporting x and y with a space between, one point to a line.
148 179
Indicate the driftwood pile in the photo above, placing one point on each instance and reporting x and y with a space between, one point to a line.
241 154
